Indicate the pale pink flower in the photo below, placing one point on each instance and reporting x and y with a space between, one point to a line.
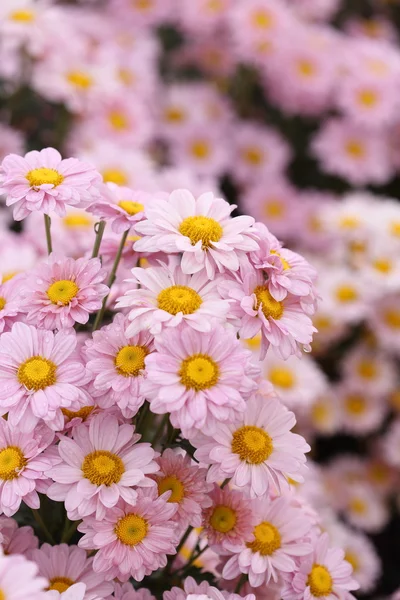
391 443
201 229
17 255
19 579
323 573
361 411
164 296
230 520
43 181
202 379
12 141
183 483
69 572
259 452
126 591
370 370
16 540
116 363
121 206
38 376
203 149
10 302
364 508
363 557
200 591
384 319
100 464
62 291
23 466
132 541
276 542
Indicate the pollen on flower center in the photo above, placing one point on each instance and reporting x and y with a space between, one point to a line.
60 584
2 302
346 293
82 413
355 404
281 377
23 16
306 68
267 539
392 318
368 98
253 155
252 444
129 361
367 369
200 149
269 306
62 292
320 581
223 519
131 529
202 229
174 114
199 372
118 120
77 220
115 176
284 262
355 149
80 79
103 468
262 19
38 177
12 461
171 484
352 559
37 373
132 208
179 298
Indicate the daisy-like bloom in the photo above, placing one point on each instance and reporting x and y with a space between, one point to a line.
98 466
364 508
385 322
199 591
67 293
323 414
120 206
370 368
229 520
23 466
43 181
259 452
38 376
10 302
132 541
69 568
184 484
283 324
276 542
203 149
19 579
116 363
391 443
16 540
201 229
165 296
360 411
362 556
126 591
322 574
346 295
202 379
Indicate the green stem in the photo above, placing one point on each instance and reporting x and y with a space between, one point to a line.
69 532
223 484
242 581
99 230
47 226
160 429
42 525
183 540
141 416
111 279
193 557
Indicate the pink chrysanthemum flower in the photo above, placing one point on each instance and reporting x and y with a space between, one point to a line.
23 466
43 181
69 568
10 303
62 291
230 519
166 296
200 378
201 229
16 540
116 363
184 484
322 574
200 591
276 542
19 579
99 465
121 206
126 591
258 452
38 376
132 541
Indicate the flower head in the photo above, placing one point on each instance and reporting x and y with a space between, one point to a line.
14 539
121 206
19 579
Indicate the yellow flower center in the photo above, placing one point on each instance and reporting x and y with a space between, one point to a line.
132 208
118 120
269 306
394 399
9 275
2 302
60 584
379 473
320 412
395 228
129 361
268 539
358 506
37 373
126 76
320 581
23 16
80 79
355 404
367 369
38 177
77 220
12 461
284 262
223 519
200 149
62 292
179 298
383 265
352 559
368 98
199 372
174 114
282 377
305 68
252 444
346 293
355 148
215 5
171 484
322 322
82 413
262 19
253 155
102 467
142 4
274 209
392 318
131 529
254 343
202 229
349 222
115 176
